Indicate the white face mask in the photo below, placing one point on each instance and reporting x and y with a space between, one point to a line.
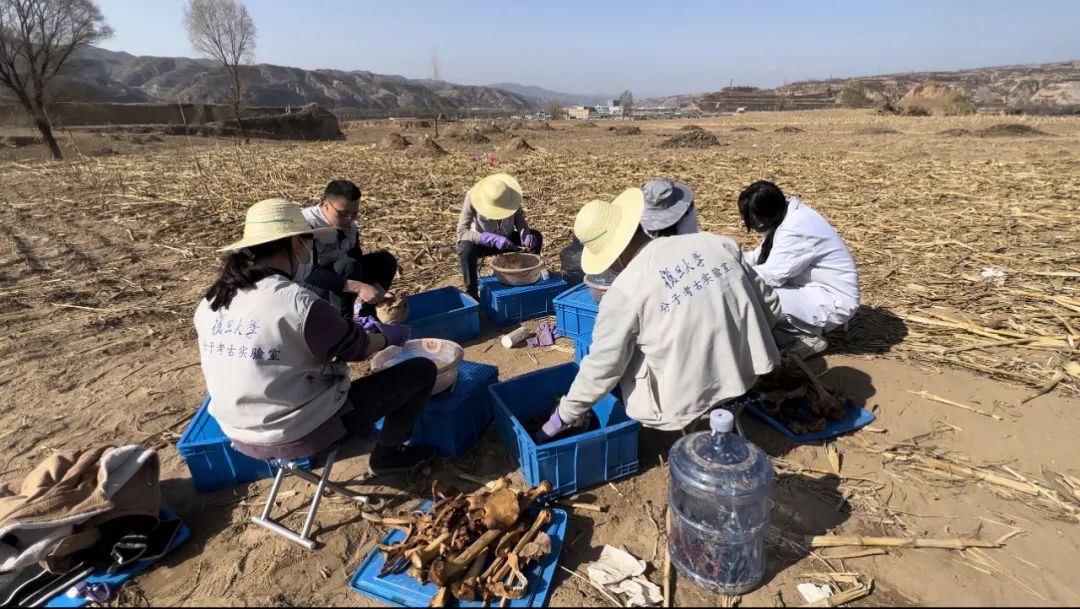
303 269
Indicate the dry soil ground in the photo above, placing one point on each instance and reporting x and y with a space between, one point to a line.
102 260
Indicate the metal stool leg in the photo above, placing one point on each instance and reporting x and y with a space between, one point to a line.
319 490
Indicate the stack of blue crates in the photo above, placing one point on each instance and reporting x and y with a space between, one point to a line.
443 313
212 460
573 463
506 304
575 317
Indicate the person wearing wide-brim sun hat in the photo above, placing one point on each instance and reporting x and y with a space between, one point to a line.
683 328
669 209
274 354
492 222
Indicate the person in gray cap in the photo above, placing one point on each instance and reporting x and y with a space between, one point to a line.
669 209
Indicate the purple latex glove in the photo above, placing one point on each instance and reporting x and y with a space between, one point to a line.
496 241
394 332
545 336
529 241
554 426
367 322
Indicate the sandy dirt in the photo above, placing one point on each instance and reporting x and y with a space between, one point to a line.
103 260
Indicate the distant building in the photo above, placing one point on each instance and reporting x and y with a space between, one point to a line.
582 112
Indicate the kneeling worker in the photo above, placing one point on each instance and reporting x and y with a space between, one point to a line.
685 327
343 273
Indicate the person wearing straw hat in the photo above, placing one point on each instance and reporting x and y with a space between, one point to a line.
274 354
683 328
492 222
669 209
805 261
343 273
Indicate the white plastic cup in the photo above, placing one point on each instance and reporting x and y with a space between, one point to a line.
514 338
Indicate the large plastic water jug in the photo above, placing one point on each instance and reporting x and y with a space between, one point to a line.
719 508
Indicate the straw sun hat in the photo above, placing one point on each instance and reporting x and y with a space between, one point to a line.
496 197
605 229
271 220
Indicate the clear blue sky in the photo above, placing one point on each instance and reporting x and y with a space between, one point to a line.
655 47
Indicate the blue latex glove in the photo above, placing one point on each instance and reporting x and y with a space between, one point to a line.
394 332
496 241
529 241
554 426
367 322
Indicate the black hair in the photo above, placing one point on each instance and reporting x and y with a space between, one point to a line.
669 231
239 272
763 207
341 188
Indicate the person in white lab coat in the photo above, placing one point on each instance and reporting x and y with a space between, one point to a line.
805 261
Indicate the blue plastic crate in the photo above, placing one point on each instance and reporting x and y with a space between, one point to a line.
505 304
574 463
212 460
444 313
453 424
581 349
575 312
401 590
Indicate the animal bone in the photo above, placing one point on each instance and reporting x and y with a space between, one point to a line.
532 496
518 582
509 540
542 519
501 510
827 400
396 310
452 570
422 556
465 588
440 598
537 548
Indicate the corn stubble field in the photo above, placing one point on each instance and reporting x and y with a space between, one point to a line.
967 238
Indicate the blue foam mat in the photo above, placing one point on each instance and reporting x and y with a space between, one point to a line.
855 418
118 579
403 591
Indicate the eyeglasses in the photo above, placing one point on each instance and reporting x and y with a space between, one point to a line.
348 215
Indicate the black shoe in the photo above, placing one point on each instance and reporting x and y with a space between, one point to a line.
397 459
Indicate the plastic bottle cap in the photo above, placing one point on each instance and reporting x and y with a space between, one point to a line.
721 421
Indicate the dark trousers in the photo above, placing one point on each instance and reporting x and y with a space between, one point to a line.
469 255
397 393
377 267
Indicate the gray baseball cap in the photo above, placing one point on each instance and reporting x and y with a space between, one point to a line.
666 202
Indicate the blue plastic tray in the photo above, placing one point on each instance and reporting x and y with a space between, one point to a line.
574 463
575 313
505 305
212 460
403 591
117 579
855 418
444 313
452 424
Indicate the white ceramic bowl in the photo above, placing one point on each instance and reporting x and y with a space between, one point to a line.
446 355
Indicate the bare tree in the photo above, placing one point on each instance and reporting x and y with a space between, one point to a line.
555 110
223 30
37 37
626 102
436 87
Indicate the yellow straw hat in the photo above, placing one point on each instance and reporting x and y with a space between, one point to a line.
605 229
496 197
271 220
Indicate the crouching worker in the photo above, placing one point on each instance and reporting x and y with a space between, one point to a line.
492 222
343 273
805 261
275 355
684 327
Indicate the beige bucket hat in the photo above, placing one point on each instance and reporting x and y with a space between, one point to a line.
605 229
496 197
274 219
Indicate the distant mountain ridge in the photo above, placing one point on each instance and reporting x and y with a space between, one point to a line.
546 96
100 75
